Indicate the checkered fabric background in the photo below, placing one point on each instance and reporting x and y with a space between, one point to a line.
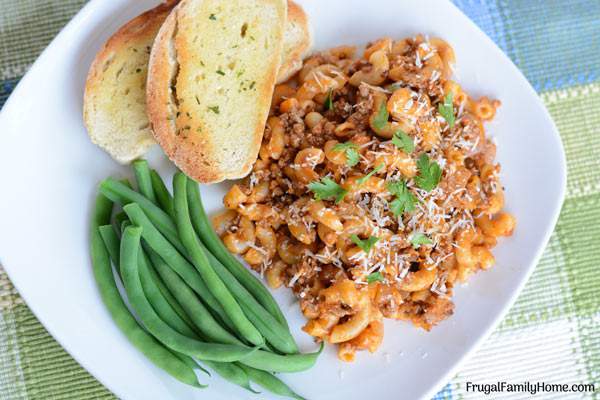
551 334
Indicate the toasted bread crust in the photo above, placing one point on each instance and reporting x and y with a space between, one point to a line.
162 119
188 140
157 92
124 145
293 58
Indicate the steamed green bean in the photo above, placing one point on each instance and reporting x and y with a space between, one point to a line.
200 316
120 193
163 197
200 261
111 241
143 179
156 299
130 244
272 362
165 291
270 382
210 239
275 333
174 259
103 274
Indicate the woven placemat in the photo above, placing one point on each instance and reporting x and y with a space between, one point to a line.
552 333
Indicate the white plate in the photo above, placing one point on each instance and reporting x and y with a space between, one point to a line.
49 171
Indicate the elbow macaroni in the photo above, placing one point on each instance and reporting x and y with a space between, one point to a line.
339 109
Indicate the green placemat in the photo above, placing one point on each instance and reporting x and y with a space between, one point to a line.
552 333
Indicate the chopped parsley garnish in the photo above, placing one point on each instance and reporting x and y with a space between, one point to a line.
381 119
446 109
402 141
351 152
220 72
375 277
365 245
393 87
405 201
418 239
430 173
214 109
365 178
329 100
327 189
212 17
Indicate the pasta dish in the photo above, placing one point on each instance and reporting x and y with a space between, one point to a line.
375 192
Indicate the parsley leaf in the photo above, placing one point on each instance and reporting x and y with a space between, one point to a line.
214 109
430 173
344 146
375 277
405 201
418 239
446 109
349 148
381 119
212 17
402 141
220 72
365 178
365 245
329 100
394 86
352 157
327 189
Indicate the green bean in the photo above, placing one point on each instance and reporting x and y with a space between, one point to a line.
174 259
236 372
208 236
201 318
268 361
275 333
189 361
122 216
168 314
103 274
126 182
200 261
232 372
165 201
270 382
125 224
130 244
167 229
151 283
228 371
163 308
120 193
163 223
119 218
111 241
142 176
157 300
166 292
